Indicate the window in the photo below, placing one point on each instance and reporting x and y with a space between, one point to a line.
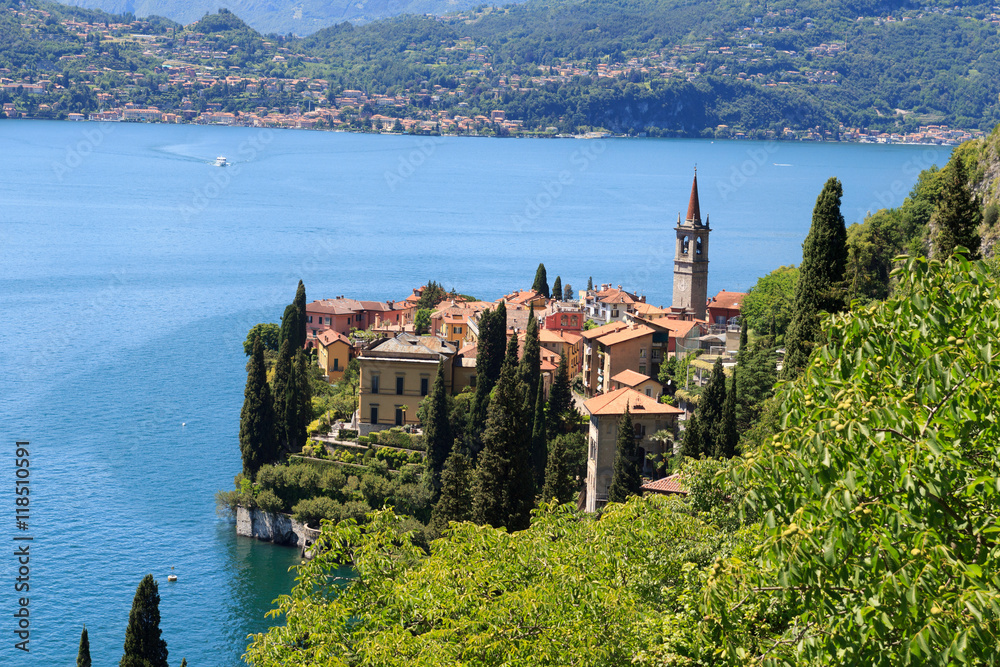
399 416
314 332
374 384
336 363
423 385
399 385
326 320
573 320
642 369
458 330
640 430
649 392
309 319
642 353
472 381
374 415
563 320
593 448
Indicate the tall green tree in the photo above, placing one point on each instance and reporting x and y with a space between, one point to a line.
560 473
820 287
757 373
700 435
504 488
743 333
283 389
529 369
562 413
300 323
768 306
299 422
626 480
541 284
431 296
455 501
539 441
956 219
590 284
438 435
289 326
83 654
490 348
144 647
557 289
258 445
726 436
567 294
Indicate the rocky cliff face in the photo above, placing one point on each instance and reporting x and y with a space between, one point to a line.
982 159
277 528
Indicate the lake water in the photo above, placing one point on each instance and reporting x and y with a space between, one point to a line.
131 270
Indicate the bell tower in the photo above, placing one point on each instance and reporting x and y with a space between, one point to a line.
691 258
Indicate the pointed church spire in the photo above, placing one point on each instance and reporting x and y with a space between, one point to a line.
694 209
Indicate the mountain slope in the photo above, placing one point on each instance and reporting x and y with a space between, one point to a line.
301 17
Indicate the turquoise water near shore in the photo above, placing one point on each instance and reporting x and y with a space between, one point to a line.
131 269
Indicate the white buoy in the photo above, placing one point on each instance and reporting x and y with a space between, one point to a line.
184 423
172 577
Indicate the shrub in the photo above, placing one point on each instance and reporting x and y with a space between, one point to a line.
415 458
348 434
417 442
364 440
313 510
268 501
316 426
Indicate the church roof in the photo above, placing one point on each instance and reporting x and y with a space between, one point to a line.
694 208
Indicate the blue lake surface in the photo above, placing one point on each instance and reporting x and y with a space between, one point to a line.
131 270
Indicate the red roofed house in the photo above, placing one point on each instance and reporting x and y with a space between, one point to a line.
610 304
613 348
641 383
648 417
334 352
724 307
342 315
668 486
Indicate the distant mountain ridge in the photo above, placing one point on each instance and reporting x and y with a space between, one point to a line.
301 17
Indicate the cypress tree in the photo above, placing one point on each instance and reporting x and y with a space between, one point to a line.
820 286
590 284
300 322
83 654
143 645
626 479
510 356
956 219
560 482
301 400
727 437
489 362
696 441
557 288
541 284
539 444
561 405
257 431
455 502
438 435
529 370
504 488
289 326
743 333
283 388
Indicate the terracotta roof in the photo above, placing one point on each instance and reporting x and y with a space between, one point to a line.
648 309
550 336
678 328
522 296
630 378
329 336
618 296
614 402
730 300
571 337
667 485
597 332
626 334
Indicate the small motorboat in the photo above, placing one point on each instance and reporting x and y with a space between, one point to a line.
221 162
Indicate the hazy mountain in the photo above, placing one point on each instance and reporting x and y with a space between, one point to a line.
301 17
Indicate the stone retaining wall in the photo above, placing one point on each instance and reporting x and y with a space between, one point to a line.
273 527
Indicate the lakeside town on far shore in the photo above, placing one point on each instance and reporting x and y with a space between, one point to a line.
165 75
